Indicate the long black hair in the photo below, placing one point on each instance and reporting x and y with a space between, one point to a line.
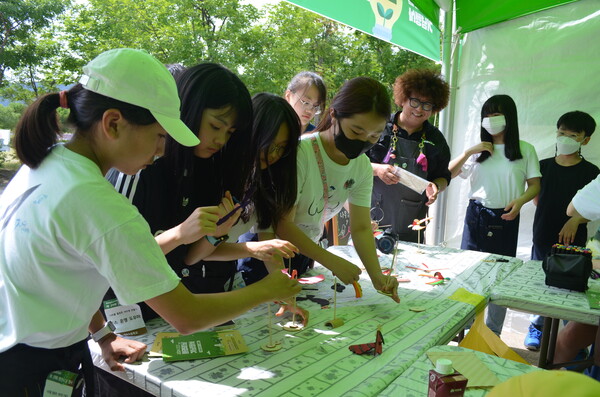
502 104
212 86
276 186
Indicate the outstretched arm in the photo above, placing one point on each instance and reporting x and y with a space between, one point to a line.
346 271
362 237
190 313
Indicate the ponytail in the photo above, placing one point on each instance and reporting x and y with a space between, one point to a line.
37 130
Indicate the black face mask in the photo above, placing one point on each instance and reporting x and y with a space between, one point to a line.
352 148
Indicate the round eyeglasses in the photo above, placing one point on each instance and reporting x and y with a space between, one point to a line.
309 107
415 103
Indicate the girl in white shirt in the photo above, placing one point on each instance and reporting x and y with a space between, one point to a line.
333 169
503 177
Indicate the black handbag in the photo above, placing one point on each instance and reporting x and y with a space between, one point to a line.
568 271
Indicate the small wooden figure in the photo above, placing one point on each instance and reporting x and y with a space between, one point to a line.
370 348
336 322
293 326
271 345
419 226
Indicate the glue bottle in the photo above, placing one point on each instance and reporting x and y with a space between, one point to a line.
444 381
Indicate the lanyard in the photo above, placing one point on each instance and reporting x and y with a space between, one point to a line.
319 158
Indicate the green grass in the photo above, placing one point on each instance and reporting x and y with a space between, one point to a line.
9 160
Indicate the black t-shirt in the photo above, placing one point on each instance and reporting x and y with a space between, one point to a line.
558 186
436 149
165 199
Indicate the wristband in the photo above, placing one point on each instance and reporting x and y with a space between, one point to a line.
216 241
102 332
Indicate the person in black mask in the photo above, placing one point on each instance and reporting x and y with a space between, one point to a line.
332 170
412 143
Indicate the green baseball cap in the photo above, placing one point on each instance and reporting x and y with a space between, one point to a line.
137 78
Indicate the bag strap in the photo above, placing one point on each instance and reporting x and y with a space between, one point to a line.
319 158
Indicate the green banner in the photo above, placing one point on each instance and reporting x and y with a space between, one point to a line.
471 15
399 22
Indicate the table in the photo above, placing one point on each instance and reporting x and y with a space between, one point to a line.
414 381
525 289
317 361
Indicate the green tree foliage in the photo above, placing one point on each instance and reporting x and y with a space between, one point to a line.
21 22
292 39
175 31
265 47
9 115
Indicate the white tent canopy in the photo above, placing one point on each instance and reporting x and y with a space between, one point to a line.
548 63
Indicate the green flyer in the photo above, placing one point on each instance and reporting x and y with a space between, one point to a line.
203 345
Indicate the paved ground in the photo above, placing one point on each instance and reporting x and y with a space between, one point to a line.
515 328
513 334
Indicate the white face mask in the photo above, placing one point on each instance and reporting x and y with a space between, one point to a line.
494 124
566 145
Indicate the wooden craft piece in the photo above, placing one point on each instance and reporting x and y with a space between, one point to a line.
419 225
357 289
272 348
293 326
370 348
336 322
271 345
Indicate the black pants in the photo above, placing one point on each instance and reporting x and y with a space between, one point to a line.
485 231
24 369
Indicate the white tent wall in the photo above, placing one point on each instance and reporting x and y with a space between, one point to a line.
548 62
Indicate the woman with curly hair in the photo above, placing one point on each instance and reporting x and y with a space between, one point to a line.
412 143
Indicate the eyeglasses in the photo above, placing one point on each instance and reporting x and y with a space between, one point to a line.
309 107
277 150
415 103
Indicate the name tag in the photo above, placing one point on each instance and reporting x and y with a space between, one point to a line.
60 384
127 319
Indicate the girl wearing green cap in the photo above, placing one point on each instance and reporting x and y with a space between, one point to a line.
66 235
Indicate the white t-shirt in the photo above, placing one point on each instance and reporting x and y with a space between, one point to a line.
352 182
587 200
65 236
498 181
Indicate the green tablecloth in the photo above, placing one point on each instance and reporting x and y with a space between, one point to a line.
317 361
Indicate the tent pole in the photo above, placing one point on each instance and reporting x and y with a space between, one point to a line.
439 209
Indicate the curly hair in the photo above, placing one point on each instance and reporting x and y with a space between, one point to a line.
423 82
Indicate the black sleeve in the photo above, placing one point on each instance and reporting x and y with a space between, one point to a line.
377 153
125 184
146 191
441 160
